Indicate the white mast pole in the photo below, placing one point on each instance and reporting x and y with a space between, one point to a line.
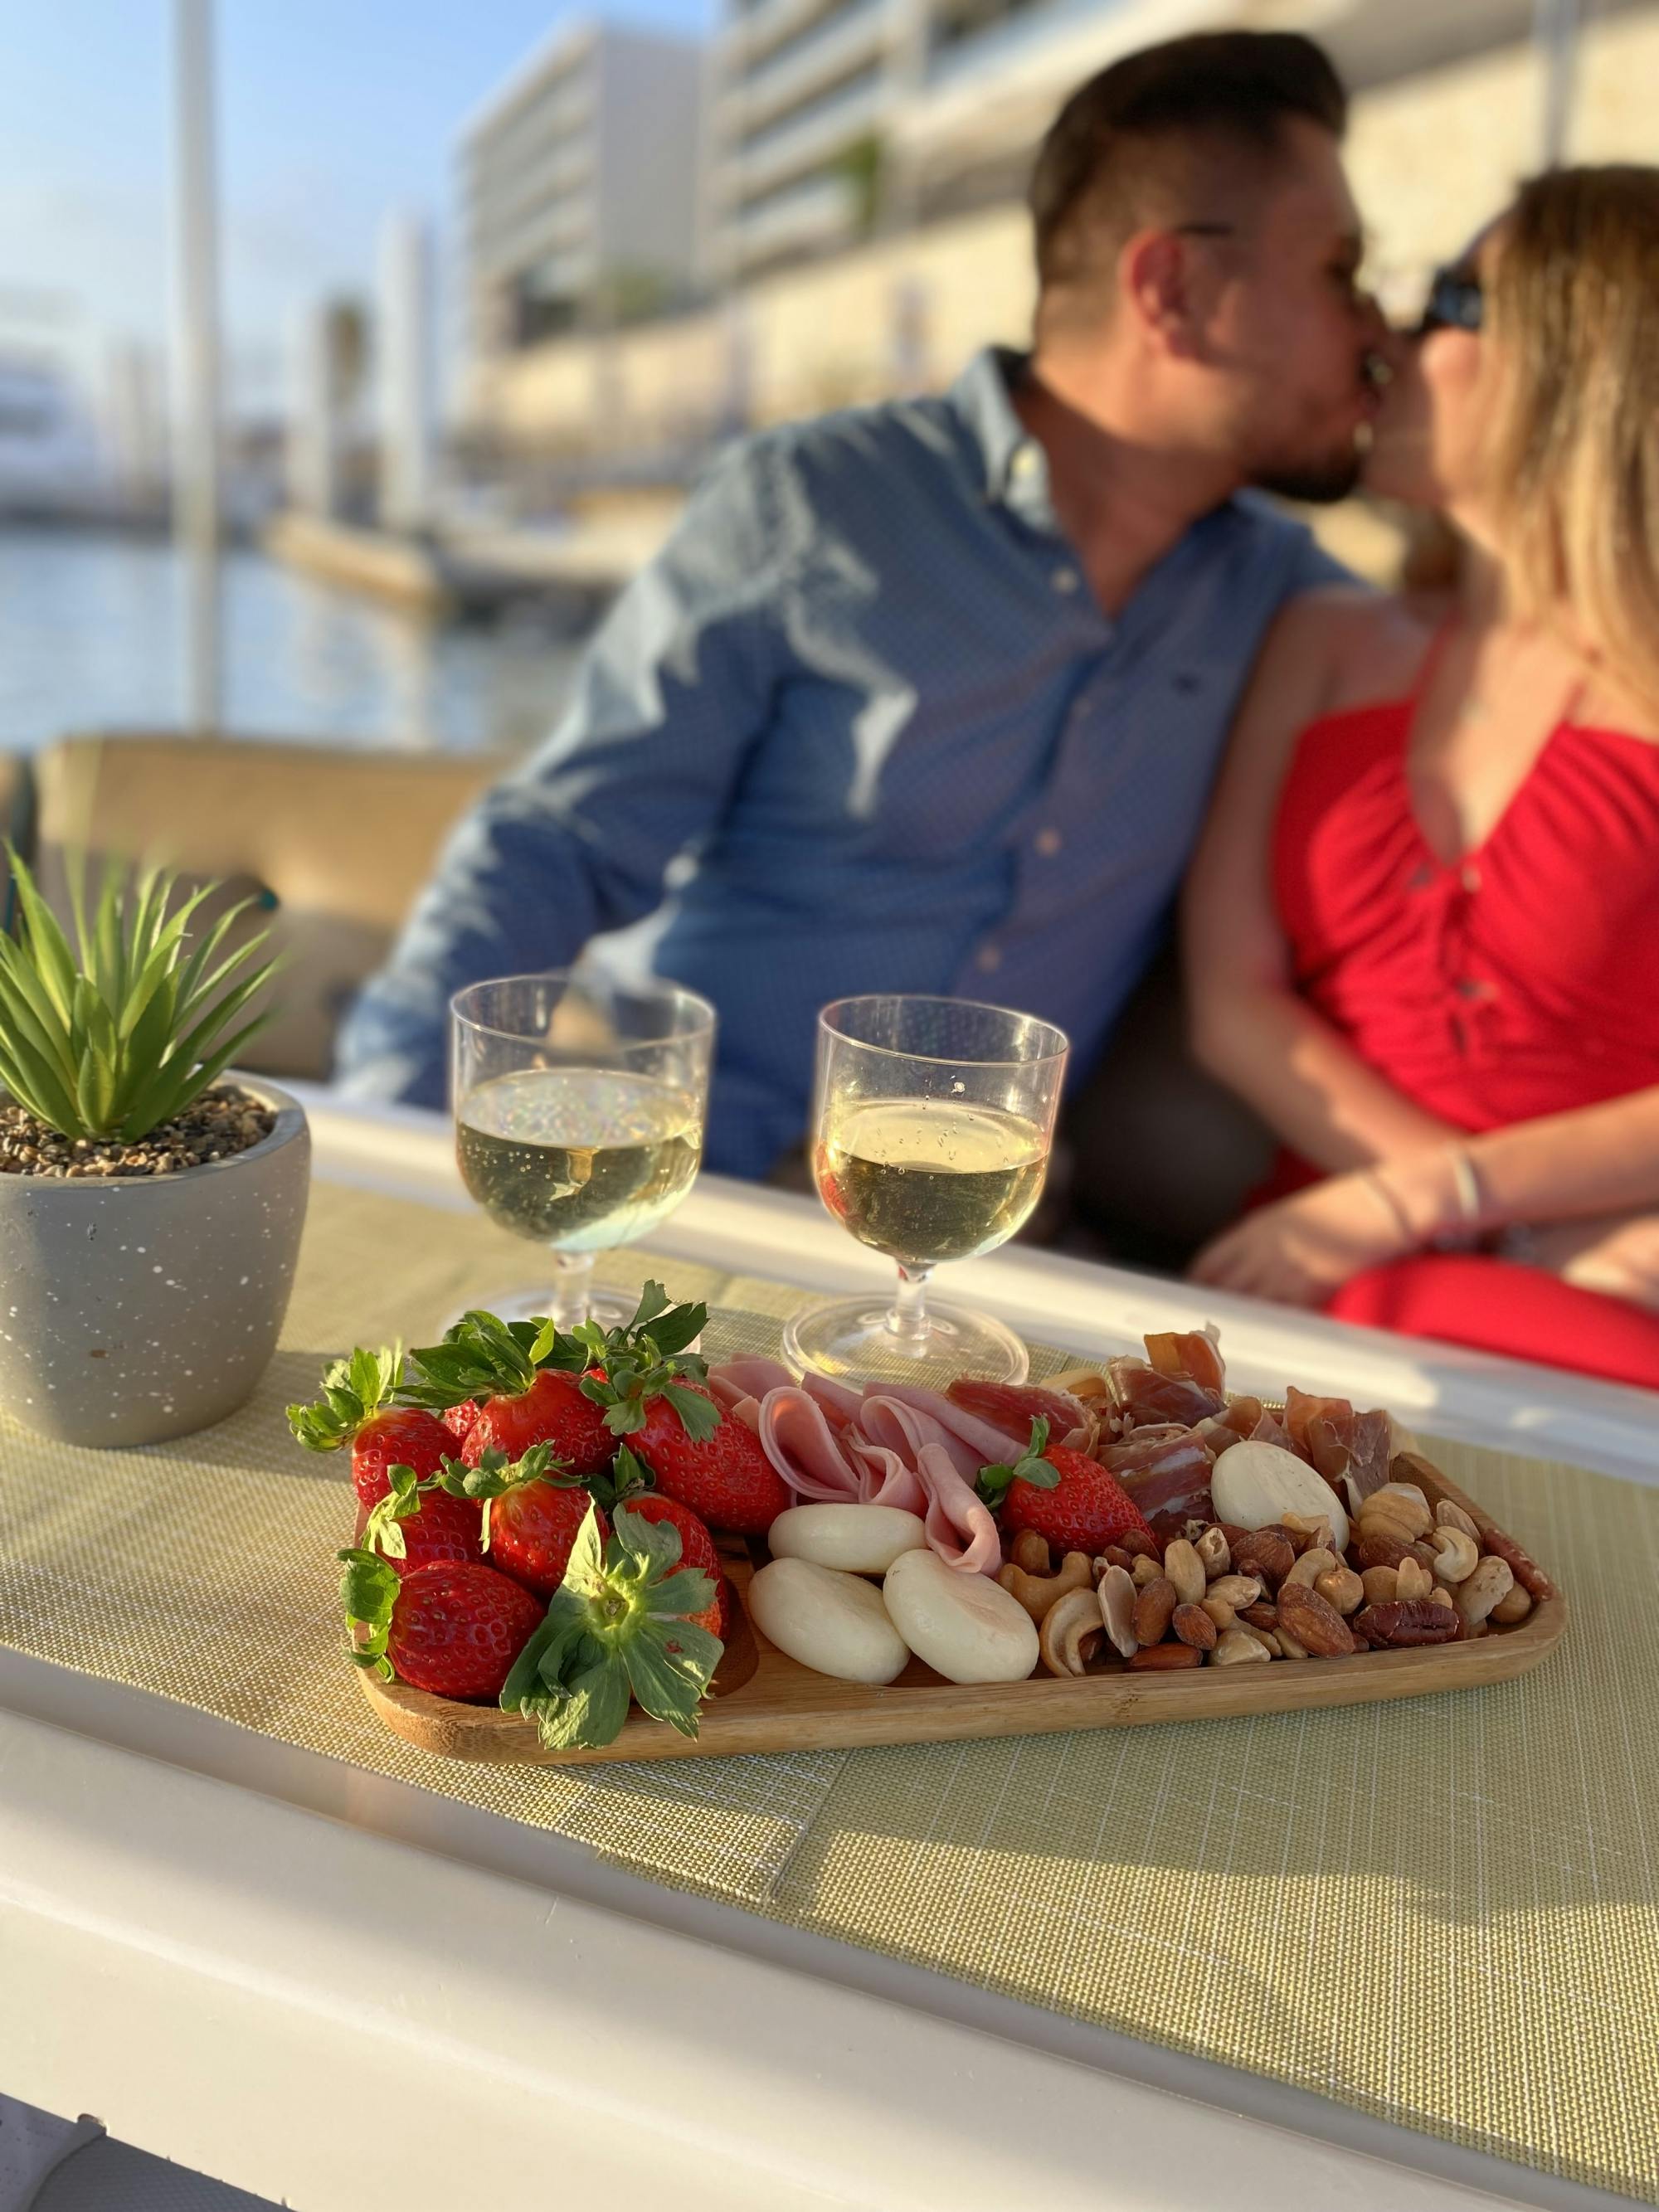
196 493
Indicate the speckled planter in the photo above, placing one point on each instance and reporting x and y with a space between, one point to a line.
138 1308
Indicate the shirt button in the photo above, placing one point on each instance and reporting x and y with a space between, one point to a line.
1064 579
1047 842
1027 460
988 959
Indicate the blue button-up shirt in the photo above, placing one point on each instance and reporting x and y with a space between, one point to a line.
865 716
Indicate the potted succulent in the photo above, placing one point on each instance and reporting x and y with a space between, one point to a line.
150 1208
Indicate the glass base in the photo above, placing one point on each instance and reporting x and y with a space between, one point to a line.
852 1339
611 1308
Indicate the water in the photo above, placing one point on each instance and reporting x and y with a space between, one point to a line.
91 638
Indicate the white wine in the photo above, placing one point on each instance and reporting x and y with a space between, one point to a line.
581 1158
926 1179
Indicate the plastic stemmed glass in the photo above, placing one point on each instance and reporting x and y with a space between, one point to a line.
580 1106
932 1131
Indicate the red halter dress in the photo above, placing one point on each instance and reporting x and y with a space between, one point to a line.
1521 980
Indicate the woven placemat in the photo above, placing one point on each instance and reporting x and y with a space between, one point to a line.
1442 1910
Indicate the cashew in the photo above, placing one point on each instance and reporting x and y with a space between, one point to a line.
1412 1579
1030 1553
1312 1564
1146 1570
1265 1637
1238 1648
1288 1646
1237 1590
1219 1611
1441 1596
1185 1569
1216 1553
1071 1632
1039 1594
1117 1596
1317 1526
1492 1580
1381 1585
1456 1555
1513 1608
1400 1501
1448 1516
1342 1590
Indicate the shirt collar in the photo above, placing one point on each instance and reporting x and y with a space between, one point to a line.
1015 467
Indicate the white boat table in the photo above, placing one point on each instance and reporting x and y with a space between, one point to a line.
335 1990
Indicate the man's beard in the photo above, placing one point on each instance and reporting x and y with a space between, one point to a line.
1313 483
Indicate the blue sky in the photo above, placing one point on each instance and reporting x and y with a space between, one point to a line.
330 111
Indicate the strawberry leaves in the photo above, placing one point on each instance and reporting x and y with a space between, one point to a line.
353 1389
481 1356
648 1359
494 1477
617 1630
994 1483
368 1591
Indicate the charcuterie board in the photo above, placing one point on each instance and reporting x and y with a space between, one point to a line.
762 1701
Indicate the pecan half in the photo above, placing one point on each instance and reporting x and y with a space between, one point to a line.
1408 1621
1530 1575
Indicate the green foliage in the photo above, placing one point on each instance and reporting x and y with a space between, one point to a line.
111 1036
995 1482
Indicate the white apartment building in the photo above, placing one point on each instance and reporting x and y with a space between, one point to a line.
828 118
580 185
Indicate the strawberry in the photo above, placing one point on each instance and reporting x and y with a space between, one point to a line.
439 1529
458 1420
453 1629
524 1382
531 1510
1063 1495
625 1625
654 1397
354 1409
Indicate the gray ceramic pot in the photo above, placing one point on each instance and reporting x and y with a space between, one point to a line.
137 1308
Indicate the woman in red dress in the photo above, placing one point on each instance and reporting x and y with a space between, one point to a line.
1423 928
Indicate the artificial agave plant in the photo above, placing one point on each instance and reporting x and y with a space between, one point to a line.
113 1036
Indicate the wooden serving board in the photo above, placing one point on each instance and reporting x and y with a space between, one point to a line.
764 1702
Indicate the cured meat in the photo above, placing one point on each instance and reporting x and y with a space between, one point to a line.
1142 1395
1167 1472
1194 1353
1015 1406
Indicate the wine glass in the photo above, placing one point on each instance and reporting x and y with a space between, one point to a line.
933 1126
580 1106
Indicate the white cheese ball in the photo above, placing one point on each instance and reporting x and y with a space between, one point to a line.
964 1626
835 1624
857 1540
1255 1484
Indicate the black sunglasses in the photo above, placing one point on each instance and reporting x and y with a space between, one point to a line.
1455 302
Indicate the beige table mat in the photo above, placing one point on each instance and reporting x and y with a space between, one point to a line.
1441 1910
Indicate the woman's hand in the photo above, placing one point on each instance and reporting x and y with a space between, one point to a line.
1304 1249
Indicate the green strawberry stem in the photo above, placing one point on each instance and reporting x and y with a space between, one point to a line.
368 1590
647 1359
995 1482
481 1356
617 1630
353 1388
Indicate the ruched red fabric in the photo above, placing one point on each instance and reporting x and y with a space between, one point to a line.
1521 980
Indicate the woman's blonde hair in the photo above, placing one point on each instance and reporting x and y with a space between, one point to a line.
1574 313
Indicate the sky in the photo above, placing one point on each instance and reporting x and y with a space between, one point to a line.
331 111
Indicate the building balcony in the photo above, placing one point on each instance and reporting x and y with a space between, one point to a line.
792 147
853 34
804 218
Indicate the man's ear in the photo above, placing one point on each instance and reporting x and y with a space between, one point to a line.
1155 275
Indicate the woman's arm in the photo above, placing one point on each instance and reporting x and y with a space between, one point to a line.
1247 1025
1590 1162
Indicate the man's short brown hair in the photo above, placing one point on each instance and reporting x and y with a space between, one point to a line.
1133 147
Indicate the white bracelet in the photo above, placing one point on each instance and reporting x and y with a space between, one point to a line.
1467 1183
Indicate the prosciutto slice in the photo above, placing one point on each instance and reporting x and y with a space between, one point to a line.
1141 1395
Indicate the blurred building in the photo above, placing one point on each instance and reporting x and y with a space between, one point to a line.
868 158
580 187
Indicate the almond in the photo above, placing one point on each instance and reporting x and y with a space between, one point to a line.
1154 1610
1155 1656
1318 1627
1267 1553
1194 1626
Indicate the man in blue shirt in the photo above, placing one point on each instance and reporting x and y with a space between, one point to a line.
928 696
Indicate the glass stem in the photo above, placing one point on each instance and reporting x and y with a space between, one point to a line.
573 1276
908 1316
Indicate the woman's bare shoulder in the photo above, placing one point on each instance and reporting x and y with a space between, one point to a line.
1368 644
